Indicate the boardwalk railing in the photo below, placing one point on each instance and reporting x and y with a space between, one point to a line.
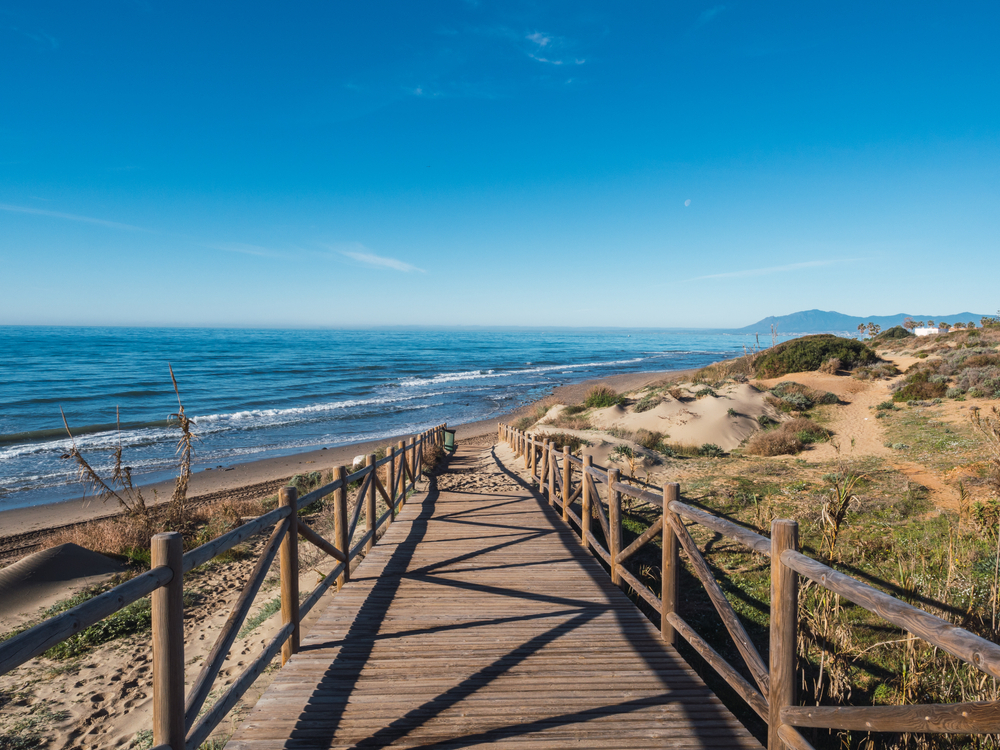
176 722
571 483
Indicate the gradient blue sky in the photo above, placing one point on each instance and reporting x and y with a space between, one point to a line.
577 163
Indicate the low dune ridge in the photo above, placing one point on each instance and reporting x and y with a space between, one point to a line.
44 578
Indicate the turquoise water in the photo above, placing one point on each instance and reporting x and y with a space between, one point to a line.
257 393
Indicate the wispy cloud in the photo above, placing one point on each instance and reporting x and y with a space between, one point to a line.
39 37
70 217
542 46
769 270
708 15
368 258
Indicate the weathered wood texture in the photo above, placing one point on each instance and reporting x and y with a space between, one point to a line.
480 620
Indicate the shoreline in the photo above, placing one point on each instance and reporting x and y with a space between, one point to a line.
256 476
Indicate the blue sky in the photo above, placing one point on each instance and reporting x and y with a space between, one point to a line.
577 163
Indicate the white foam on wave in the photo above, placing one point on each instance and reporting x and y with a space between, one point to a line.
204 425
449 377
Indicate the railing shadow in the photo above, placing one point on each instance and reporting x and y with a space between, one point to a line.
324 712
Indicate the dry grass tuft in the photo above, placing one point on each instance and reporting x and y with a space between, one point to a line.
114 536
568 422
774 443
572 442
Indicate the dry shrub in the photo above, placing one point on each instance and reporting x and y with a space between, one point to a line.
562 439
567 422
676 393
432 454
805 429
831 366
774 443
650 439
112 536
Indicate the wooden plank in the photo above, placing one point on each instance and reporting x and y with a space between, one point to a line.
959 642
959 718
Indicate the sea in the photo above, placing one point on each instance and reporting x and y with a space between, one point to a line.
262 393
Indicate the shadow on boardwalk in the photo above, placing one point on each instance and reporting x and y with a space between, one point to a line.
479 619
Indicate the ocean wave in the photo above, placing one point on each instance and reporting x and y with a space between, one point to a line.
450 377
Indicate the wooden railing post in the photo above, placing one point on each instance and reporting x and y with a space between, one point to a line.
288 557
369 499
585 501
390 475
552 472
784 625
168 643
341 541
401 450
614 524
669 564
567 469
412 450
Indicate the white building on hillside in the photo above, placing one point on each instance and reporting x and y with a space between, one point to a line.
926 331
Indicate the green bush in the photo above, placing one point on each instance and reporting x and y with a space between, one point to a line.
810 352
798 397
600 397
919 388
711 450
896 332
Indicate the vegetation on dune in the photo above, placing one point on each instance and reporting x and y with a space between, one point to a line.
896 332
786 438
601 397
810 352
792 396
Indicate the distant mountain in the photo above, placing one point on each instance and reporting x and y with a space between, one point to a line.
820 321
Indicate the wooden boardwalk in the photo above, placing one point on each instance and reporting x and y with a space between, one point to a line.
480 620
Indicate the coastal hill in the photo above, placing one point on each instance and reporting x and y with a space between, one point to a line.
821 321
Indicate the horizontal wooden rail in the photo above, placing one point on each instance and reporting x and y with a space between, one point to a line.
754 541
39 639
639 494
959 718
956 641
204 553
